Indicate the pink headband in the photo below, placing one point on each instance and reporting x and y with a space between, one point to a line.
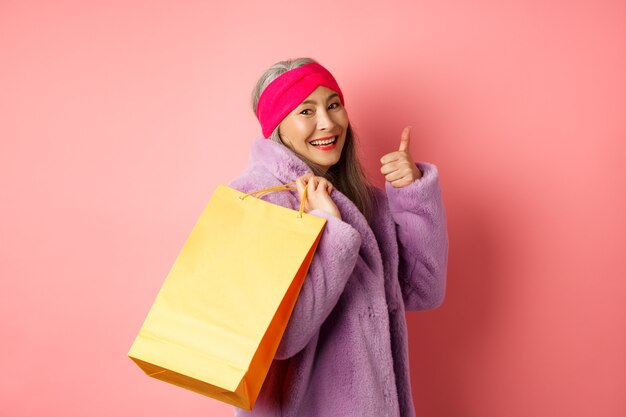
286 92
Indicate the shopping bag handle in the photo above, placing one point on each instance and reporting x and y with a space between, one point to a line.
283 187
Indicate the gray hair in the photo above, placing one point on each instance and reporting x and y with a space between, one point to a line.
270 75
347 174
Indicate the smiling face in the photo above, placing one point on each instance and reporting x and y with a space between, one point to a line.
316 129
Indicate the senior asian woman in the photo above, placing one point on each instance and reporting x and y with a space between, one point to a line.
382 252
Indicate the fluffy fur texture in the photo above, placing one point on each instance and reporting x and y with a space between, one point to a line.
344 352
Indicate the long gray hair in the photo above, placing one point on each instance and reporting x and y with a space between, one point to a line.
346 175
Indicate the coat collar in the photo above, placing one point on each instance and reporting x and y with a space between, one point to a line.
286 167
277 159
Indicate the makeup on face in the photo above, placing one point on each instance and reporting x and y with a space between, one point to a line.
316 129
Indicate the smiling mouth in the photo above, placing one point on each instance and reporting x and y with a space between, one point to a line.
324 142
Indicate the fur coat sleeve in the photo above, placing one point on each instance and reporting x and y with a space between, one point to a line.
332 265
416 213
419 216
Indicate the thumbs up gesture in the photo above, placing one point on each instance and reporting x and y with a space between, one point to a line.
398 167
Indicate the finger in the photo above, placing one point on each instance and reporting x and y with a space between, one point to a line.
395 176
328 183
300 186
323 184
405 139
400 163
305 178
389 167
390 157
402 182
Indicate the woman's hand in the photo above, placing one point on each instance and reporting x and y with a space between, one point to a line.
398 167
318 194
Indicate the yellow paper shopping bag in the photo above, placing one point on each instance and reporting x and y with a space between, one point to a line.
218 319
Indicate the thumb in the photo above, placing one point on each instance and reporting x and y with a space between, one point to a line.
300 186
405 139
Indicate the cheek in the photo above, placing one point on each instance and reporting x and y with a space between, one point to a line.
342 119
302 129
292 128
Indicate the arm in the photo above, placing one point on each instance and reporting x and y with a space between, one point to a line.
418 212
332 265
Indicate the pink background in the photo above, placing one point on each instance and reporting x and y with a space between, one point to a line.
118 119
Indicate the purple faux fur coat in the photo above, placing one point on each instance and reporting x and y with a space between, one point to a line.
344 352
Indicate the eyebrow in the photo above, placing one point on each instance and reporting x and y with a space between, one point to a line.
333 95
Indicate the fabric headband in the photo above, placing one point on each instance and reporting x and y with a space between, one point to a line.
287 91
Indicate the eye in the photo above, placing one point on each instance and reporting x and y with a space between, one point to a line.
306 112
335 105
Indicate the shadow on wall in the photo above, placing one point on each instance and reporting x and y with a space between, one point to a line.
447 346
381 106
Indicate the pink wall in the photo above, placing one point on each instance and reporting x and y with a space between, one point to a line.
118 119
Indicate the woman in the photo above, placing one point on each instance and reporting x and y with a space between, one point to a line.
344 352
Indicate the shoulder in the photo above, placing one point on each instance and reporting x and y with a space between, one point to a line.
254 178
270 164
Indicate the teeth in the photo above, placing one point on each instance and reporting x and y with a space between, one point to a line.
323 142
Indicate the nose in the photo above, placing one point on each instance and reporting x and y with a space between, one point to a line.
325 120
